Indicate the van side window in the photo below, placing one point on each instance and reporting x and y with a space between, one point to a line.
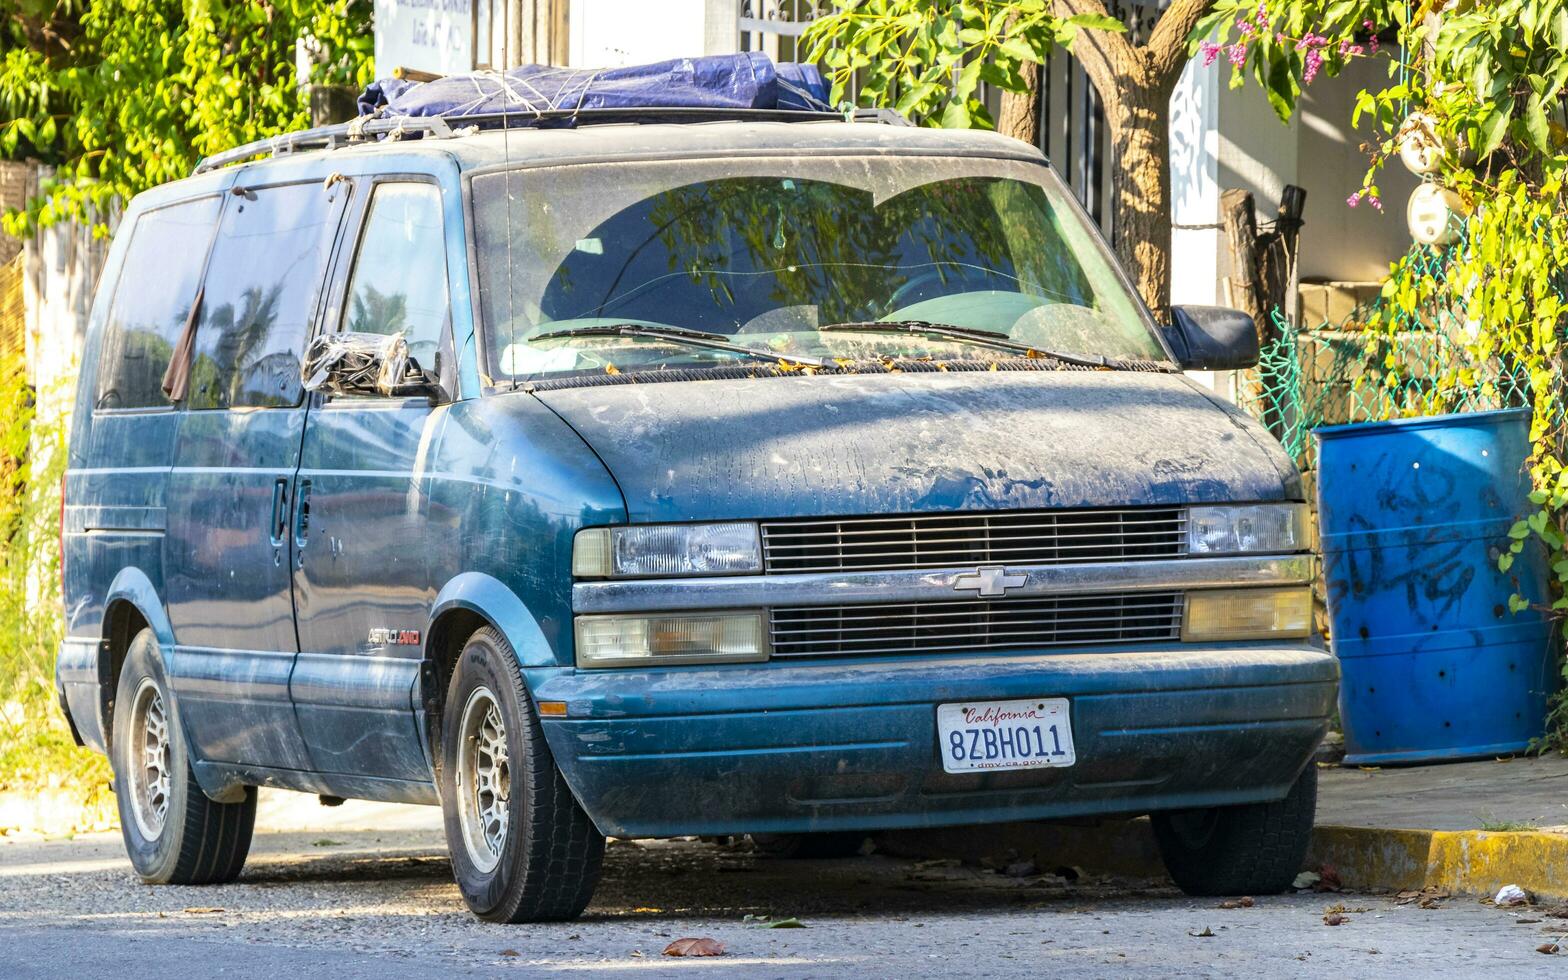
399 281
152 302
260 297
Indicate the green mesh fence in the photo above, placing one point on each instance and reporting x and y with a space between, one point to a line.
1375 365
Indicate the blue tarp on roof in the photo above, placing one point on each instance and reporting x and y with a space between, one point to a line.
732 81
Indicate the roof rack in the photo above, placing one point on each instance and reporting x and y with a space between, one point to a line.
370 128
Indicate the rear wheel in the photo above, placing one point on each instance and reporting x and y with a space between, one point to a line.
808 846
522 849
1254 849
173 833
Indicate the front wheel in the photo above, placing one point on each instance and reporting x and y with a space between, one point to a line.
1253 849
174 834
522 849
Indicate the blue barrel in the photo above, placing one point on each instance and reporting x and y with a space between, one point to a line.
1412 515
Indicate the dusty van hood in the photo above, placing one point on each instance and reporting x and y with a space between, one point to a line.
868 444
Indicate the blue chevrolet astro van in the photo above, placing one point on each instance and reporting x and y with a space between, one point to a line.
789 476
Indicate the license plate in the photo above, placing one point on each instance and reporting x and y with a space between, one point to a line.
986 735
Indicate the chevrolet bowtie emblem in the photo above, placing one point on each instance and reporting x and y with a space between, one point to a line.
992 580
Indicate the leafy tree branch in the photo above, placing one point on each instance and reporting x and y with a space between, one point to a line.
122 95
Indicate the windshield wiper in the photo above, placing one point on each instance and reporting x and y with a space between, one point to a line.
985 338
680 335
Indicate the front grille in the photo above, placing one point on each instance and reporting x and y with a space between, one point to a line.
1001 624
967 538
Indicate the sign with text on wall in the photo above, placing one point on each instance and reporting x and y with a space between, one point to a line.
430 35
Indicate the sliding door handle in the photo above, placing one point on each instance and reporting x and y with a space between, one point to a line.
280 512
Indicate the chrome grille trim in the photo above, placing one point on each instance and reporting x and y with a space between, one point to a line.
974 537
936 585
904 628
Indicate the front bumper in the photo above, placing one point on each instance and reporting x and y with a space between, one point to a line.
850 745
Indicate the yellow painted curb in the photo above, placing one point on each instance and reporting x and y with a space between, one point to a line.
1475 862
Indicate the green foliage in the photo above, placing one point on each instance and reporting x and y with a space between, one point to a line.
149 87
36 748
1489 83
927 58
1284 46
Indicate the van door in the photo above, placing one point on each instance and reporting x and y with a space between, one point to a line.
363 580
228 549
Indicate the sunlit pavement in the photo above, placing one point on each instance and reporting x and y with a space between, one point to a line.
381 903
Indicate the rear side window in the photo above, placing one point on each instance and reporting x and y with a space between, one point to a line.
260 297
152 302
399 282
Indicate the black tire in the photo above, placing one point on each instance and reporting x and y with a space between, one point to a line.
174 834
1254 849
792 847
543 863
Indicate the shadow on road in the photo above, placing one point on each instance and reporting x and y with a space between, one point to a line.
686 879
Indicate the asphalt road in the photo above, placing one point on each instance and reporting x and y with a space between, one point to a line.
382 904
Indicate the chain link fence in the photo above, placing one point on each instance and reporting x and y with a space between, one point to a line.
1378 363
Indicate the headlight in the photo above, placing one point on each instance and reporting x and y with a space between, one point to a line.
683 638
1239 529
652 550
1248 614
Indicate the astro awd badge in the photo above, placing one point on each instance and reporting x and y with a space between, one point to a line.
381 636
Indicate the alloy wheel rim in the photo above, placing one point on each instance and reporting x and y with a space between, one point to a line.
484 780
149 760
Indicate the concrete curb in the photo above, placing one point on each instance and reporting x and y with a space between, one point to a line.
1470 862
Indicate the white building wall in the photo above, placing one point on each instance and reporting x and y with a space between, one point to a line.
1195 191
614 33
1225 138
1341 243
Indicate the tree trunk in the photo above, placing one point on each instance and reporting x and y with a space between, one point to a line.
1020 115
1140 132
1135 84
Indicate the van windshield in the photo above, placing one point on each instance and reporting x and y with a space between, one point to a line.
790 257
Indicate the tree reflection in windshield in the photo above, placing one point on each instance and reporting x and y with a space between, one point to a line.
769 259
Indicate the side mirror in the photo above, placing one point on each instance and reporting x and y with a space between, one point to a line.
351 363
1212 338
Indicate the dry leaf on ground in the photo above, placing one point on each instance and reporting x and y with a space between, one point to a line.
695 947
1245 902
202 910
